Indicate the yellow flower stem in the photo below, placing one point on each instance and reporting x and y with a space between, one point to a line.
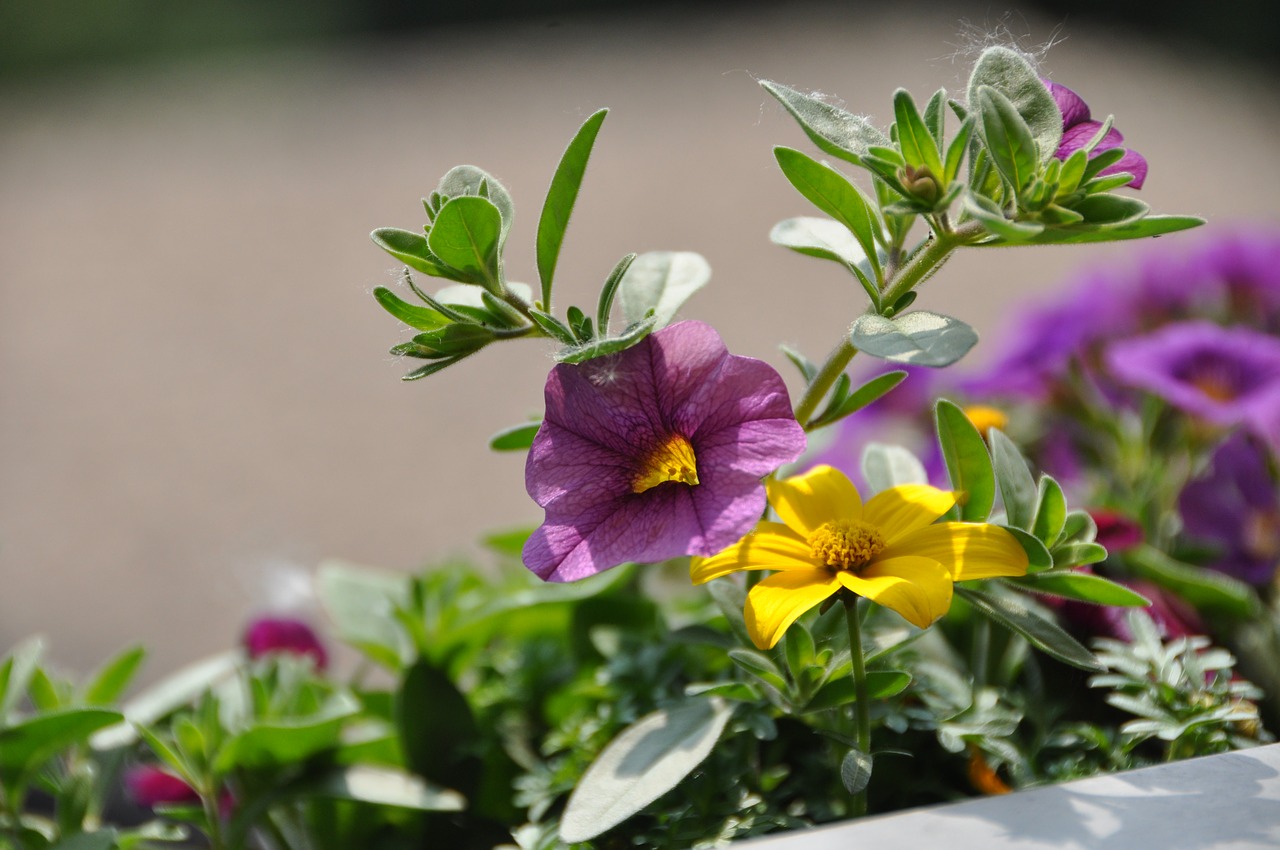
861 707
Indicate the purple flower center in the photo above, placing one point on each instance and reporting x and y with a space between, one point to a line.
672 461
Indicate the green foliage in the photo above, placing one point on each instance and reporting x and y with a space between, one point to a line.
561 196
920 338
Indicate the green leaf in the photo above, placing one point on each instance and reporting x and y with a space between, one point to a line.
1208 590
561 196
1150 226
465 235
46 695
935 116
166 696
15 674
431 368
1111 210
409 248
579 324
645 761
1012 76
989 214
855 771
1009 140
819 237
102 839
1078 554
467 180
661 281
881 684
604 306
832 129
885 466
422 318
919 148
1051 511
759 665
807 367
449 341
919 338
1038 557
831 192
968 463
1040 632
111 680
283 743
384 786
1017 487
609 345
1079 527
552 326
1084 587
872 391
956 151
360 602
515 439
25 746
437 729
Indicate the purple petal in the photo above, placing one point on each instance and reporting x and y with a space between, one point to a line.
569 472
1071 105
287 635
1081 134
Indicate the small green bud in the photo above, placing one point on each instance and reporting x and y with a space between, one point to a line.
921 183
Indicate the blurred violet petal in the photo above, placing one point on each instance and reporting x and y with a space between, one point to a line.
1078 129
266 635
149 786
654 452
1235 509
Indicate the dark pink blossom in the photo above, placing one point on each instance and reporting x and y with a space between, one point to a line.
655 452
289 635
1079 128
150 786
1116 531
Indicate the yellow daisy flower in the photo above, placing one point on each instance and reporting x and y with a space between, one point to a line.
890 550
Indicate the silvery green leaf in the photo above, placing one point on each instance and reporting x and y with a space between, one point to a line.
885 466
1042 633
1051 512
561 197
1013 76
645 761
1017 487
661 281
920 338
831 128
602 346
968 463
818 237
1008 138
1151 225
467 179
855 770
1112 210
466 236
409 248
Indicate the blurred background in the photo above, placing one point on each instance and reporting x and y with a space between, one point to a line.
196 403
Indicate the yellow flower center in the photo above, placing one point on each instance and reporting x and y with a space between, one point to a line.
670 461
846 544
1216 387
985 418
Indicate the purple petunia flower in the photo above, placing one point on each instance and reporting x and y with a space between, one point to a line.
1236 509
284 634
1078 129
1226 376
150 786
655 452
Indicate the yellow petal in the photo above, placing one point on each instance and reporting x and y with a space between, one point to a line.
775 603
772 546
807 501
970 550
905 508
917 588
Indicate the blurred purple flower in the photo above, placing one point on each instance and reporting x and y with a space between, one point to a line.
150 786
1078 129
1235 509
1225 376
284 634
655 452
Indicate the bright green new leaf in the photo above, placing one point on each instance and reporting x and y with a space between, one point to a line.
1038 557
514 439
561 196
1149 226
920 338
831 192
465 235
1008 138
111 680
1051 511
282 743
645 761
604 306
873 390
25 746
832 129
409 248
467 180
1083 587
968 463
1111 210
1078 554
935 117
919 147
1040 632
661 281
1017 487
421 318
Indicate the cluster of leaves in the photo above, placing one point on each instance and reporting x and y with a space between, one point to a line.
469 216
995 181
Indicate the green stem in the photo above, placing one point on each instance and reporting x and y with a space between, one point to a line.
214 818
835 365
861 707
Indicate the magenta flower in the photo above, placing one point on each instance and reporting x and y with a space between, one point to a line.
289 635
1234 507
150 786
1116 531
655 452
1078 129
1225 376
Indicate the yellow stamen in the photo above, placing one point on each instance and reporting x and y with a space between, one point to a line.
985 418
670 461
1215 387
846 543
